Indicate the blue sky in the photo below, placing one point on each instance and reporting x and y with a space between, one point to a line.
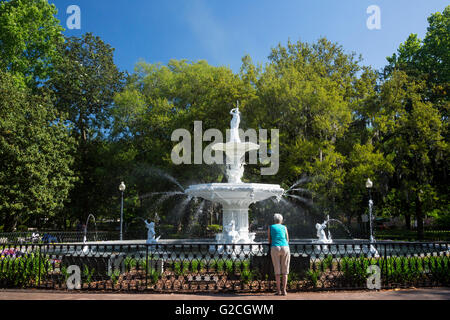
222 32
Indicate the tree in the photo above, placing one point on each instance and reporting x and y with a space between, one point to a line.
29 37
84 84
310 93
428 60
411 133
160 99
35 156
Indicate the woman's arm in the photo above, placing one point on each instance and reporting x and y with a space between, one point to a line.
268 236
287 235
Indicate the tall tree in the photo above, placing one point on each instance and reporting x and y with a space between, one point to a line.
311 92
428 60
29 38
35 156
411 133
84 84
160 99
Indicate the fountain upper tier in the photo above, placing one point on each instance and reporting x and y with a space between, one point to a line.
235 195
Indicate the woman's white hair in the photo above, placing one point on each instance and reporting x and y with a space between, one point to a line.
277 218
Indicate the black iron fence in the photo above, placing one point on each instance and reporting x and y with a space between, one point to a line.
199 267
30 237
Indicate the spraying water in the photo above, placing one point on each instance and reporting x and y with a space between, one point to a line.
343 225
86 228
163 174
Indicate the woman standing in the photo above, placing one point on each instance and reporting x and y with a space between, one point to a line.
279 251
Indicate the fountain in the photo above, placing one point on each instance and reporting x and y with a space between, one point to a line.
86 248
235 196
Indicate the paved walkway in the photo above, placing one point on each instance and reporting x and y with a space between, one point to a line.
407 294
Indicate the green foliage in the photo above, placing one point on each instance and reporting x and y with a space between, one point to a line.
84 83
312 276
355 269
397 270
22 270
403 269
115 275
181 268
326 263
35 155
153 275
293 277
30 34
421 131
130 263
248 275
215 228
230 267
88 274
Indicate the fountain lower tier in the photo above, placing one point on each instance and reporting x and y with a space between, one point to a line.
235 199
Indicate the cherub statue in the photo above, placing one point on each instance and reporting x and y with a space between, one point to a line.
231 234
151 232
321 232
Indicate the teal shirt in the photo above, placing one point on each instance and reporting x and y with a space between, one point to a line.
278 235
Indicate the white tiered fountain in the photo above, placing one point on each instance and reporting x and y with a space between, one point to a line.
235 196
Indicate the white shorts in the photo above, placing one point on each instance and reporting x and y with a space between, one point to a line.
281 258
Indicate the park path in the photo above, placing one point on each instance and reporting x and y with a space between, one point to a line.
406 294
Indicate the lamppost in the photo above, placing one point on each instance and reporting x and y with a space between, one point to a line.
121 189
369 185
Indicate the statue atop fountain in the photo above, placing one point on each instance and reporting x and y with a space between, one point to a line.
151 234
234 126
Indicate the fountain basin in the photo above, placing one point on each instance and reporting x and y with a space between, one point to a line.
235 194
235 199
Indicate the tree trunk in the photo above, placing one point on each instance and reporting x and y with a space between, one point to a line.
10 223
419 217
408 221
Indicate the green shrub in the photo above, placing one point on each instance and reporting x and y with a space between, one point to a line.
312 276
355 269
88 274
326 263
22 269
153 275
398 270
403 270
181 268
220 265
130 263
115 275
229 269
194 266
215 228
247 276
293 277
